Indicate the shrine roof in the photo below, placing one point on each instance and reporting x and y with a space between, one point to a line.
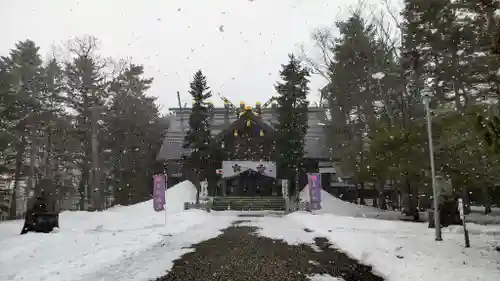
222 119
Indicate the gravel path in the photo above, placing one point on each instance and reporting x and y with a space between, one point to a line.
239 254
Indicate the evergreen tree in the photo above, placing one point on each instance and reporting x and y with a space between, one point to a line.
134 133
86 86
292 118
25 87
353 90
198 137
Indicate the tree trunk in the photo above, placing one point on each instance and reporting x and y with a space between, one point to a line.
466 197
406 194
486 199
96 182
381 197
83 187
362 193
197 184
31 178
414 202
17 177
48 182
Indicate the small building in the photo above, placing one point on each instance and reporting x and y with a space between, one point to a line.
247 136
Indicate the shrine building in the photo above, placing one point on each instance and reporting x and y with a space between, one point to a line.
247 136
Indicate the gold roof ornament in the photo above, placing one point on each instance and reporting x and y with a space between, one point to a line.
248 107
242 103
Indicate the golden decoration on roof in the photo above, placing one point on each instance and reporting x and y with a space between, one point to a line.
248 107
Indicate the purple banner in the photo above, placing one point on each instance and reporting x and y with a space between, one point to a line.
314 182
159 202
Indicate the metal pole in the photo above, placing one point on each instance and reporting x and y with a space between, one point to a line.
437 221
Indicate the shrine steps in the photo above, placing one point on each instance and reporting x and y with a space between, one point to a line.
224 203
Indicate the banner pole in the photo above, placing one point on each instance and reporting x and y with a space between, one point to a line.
165 206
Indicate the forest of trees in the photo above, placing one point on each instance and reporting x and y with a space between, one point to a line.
84 124
80 127
379 67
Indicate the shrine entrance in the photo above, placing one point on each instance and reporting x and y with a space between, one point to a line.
249 178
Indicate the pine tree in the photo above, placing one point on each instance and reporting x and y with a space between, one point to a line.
86 87
358 57
198 137
134 132
25 71
292 118
490 126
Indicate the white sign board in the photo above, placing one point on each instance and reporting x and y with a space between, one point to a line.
284 188
234 168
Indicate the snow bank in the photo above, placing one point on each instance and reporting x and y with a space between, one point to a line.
407 251
175 196
107 242
333 205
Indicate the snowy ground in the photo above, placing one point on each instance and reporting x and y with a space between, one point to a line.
333 205
122 243
134 243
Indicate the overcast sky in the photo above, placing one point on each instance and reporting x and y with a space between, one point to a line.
174 38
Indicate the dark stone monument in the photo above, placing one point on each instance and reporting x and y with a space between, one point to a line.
448 213
41 217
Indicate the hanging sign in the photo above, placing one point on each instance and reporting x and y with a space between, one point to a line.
159 201
314 182
234 168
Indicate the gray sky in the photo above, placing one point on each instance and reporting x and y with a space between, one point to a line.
174 38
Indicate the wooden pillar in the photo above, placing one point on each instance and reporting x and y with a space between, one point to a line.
224 187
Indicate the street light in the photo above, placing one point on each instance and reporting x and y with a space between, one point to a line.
437 223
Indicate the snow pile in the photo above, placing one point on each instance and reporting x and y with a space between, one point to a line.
175 197
178 194
123 243
333 205
407 251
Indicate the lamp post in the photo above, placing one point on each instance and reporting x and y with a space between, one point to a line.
437 223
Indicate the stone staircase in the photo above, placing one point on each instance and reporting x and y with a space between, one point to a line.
249 204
